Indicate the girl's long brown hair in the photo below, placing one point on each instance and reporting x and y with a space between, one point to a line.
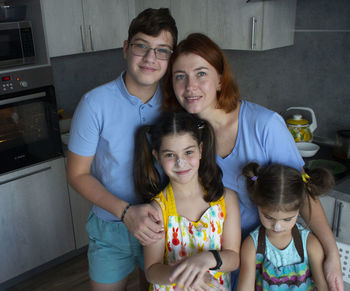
147 179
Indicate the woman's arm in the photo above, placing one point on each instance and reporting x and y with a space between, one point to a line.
316 257
190 271
246 279
320 227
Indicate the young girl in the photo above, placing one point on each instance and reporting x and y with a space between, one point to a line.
201 218
281 254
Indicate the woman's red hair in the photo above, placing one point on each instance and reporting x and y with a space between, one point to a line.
203 46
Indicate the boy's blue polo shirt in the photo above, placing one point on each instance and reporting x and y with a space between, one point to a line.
104 125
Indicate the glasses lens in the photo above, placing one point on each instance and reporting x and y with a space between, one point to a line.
163 54
139 49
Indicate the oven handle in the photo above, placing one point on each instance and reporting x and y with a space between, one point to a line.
25 175
23 98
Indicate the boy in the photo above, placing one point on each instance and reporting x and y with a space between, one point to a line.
101 148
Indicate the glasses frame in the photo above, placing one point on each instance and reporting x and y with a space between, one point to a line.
148 49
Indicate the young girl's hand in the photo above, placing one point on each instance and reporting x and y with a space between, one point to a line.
192 273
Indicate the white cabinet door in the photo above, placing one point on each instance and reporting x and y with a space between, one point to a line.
76 26
64 27
190 16
343 212
257 25
141 5
35 218
107 23
80 212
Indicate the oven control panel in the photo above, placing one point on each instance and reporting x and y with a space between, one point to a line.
17 81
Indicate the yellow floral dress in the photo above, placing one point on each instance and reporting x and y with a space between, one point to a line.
185 238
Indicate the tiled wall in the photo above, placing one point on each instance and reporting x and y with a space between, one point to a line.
314 72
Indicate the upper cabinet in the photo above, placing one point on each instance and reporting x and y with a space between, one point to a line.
76 26
233 24
258 25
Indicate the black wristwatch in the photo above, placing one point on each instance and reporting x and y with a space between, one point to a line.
217 258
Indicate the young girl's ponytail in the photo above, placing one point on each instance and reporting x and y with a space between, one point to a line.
146 176
251 172
318 181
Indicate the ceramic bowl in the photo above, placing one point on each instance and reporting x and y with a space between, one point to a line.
307 149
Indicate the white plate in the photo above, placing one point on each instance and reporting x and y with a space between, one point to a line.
307 149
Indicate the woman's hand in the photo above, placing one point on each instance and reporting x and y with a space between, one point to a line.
333 273
192 273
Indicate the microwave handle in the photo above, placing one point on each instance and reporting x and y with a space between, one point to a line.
82 38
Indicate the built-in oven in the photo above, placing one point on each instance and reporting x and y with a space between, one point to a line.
29 128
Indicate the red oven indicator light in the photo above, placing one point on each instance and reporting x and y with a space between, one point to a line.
6 78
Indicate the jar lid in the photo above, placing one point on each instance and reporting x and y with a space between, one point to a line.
297 120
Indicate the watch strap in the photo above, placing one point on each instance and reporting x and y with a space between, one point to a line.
217 258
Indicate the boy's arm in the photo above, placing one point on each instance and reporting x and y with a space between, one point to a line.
316 257
246 279
141 220
320 227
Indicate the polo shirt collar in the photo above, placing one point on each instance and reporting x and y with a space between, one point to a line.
155 100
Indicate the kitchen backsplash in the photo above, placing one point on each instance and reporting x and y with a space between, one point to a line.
314 72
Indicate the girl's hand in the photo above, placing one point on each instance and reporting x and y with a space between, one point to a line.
192 273
333 274
144 223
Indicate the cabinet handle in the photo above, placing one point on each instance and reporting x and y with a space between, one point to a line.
82 38
340 206
91 41
25 175
253 44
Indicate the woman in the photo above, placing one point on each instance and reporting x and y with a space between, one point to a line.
199 80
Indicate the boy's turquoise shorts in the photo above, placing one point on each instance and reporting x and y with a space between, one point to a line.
110 256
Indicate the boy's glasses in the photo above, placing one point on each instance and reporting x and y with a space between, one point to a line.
139 49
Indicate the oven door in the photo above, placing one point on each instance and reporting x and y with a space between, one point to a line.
29 130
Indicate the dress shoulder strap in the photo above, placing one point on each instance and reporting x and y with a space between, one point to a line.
222 204
298 242
261 241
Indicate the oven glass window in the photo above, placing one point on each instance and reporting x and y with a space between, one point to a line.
22 125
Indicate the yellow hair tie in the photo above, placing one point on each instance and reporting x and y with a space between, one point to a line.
305 177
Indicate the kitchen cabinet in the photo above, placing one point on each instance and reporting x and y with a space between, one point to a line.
35 218
257 25
190 15
338 215
77 26
238 24
80 208
80 212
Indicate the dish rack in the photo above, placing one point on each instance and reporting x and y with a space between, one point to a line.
344 252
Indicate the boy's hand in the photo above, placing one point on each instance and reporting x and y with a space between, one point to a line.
144 223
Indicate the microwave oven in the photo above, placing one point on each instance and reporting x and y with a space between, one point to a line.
16 44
